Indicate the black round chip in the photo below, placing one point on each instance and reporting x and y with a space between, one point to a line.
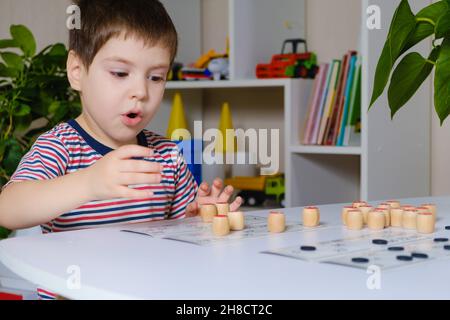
308 248
380 241
360 260
404 258
447 227
440 239
419 255
446 247
396 248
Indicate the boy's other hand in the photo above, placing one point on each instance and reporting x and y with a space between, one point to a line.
213 195
112 176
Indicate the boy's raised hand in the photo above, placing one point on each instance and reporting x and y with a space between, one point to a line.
213 195
111 176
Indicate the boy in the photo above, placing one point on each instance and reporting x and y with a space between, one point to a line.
103 168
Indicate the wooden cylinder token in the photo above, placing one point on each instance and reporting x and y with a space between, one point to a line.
355 220
409 220
376 219
425 222
207 212
432 208
394 204
359 203
344 214
223 208
387 215
276 222
311 216
396 217
384 205
220 225
236 220
422 209
365 211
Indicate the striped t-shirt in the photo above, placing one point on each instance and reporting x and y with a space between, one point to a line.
67 148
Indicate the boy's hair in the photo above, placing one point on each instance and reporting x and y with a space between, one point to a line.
102 20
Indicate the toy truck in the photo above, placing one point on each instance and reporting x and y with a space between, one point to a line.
290 65
254 190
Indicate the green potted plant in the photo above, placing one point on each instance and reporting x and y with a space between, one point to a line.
407 30
35 95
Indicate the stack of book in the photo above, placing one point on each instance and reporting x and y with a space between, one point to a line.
334 110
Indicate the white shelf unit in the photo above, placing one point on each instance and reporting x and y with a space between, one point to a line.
393 160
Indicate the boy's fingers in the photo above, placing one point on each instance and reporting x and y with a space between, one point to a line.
140 178
203 190
236 204
216 187
226 194
192 209
133 151
129 193
140 166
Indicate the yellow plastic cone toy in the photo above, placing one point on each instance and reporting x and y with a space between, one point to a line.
227 145
177 127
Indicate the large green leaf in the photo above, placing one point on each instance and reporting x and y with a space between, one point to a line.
22 110
442 82
54 106
12 157
58 49
8 43
402 26
426 19
12 60
409 75
22 123
443 26
7 72
25 39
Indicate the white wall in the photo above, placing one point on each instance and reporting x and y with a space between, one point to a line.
326 23
440 155
45 18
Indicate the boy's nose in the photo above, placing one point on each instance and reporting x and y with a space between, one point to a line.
140 90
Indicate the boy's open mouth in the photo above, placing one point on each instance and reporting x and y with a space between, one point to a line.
131 118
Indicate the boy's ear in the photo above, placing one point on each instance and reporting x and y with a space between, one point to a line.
74 70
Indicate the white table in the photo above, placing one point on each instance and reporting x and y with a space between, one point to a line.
118 265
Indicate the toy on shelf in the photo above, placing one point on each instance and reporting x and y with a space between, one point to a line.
219 68
175 72
177 127
290 65
211 65
255 190
226 145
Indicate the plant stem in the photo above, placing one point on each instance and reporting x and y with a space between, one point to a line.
8 131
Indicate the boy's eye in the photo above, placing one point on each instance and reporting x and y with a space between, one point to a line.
156 78
119 74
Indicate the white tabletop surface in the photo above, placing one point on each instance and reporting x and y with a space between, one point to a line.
119 265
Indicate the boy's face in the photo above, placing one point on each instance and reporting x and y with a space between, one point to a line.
122 90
